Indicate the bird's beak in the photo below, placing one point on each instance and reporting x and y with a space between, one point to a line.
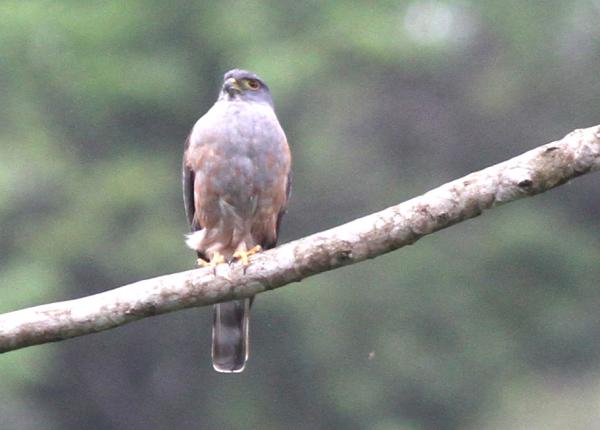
232 86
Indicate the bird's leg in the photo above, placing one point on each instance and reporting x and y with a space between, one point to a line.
215 260
242 254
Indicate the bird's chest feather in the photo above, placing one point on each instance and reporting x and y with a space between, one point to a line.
239 151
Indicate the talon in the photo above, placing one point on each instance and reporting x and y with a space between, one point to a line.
244 255
254 250
203 263
213 263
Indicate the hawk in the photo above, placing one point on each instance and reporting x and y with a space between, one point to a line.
236 184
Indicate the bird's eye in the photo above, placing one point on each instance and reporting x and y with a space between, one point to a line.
253 84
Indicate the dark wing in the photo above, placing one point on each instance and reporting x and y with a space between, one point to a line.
283 210
288 191
187 177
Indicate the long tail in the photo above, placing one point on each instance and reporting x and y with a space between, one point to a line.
230 342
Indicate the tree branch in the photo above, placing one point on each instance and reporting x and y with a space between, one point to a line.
532 173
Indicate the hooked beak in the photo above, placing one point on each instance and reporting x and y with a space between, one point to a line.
232 86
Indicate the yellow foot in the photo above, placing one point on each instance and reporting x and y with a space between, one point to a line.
214 261
243 255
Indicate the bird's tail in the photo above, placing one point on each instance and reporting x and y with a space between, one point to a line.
230 342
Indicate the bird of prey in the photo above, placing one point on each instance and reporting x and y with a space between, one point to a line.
236 184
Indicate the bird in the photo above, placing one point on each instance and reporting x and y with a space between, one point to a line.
236 177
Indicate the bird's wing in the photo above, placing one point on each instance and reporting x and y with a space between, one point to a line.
187 177
283 210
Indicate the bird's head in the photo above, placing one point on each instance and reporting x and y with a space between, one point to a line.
245 86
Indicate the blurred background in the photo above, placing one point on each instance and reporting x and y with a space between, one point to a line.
491 324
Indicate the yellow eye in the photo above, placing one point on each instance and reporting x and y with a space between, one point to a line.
253 84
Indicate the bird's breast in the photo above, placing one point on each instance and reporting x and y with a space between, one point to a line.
240 151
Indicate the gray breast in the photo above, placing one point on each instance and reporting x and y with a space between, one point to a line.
249 140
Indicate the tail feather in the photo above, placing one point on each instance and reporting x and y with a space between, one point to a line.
230 341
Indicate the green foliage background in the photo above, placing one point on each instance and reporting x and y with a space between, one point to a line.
491 324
